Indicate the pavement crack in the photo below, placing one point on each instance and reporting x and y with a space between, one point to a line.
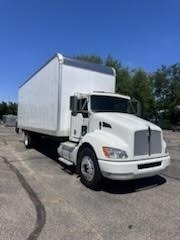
39 207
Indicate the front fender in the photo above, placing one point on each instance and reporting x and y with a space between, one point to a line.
100 138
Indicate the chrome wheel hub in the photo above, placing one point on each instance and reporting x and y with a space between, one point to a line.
87 168
26 141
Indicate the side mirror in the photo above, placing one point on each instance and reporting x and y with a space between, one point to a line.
74 104
137 107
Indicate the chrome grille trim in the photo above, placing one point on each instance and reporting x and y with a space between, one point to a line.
155 142
147 142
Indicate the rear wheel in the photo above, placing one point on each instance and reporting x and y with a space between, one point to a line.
27 140
16 128
89 169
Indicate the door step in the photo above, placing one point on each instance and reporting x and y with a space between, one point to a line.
65 161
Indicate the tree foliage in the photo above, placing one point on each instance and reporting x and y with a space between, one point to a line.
123 77
166 91
141 91
90 58
8 108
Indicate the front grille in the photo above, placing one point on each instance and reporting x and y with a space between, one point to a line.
147 142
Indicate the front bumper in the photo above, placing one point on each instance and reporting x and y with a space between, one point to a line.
133 169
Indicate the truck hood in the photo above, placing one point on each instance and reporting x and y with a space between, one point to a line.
121 129
125 120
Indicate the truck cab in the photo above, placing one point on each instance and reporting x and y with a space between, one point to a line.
107 139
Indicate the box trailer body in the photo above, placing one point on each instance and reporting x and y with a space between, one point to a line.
75 102
43 100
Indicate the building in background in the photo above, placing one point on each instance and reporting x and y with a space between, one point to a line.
9 120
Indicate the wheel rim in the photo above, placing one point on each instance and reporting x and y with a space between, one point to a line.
87 168
26 140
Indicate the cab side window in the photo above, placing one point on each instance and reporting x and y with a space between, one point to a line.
83 107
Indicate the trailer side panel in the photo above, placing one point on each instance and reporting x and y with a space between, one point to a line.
38 100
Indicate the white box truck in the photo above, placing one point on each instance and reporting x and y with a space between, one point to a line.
75 102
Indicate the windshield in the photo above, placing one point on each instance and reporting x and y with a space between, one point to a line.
109 104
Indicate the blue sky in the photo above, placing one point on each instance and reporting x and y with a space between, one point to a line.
140 33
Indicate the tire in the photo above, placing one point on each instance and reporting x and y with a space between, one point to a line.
27 140
89 170
16 128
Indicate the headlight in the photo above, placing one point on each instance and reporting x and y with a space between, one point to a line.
114 153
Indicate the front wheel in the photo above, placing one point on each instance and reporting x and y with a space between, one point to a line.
89 169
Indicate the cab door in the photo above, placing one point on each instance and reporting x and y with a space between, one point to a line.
79 121
76 127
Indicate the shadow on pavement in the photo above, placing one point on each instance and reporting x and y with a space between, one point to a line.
124 187
48 148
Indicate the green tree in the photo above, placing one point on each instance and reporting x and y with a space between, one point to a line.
3 109
12 108
161 88
141 90
123 76
166 90
8 108
174 78
90 58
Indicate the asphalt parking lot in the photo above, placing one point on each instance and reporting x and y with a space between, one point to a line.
41 199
